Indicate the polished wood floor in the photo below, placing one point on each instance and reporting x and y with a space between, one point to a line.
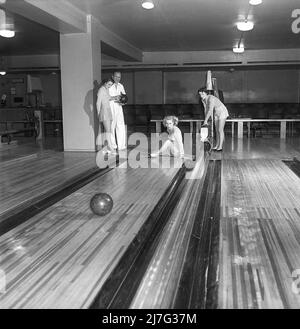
29 171
259 148
260 234
61 257
260 224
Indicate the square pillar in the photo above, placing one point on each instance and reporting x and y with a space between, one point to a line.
80 55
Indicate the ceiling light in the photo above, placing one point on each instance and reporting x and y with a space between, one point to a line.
238 50
2 72
255 2
245 26
148 4
6 25
7 33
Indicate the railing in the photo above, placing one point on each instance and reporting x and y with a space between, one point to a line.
240 123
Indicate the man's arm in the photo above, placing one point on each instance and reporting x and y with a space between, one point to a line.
123 90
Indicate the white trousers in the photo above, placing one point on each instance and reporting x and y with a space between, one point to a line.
118 128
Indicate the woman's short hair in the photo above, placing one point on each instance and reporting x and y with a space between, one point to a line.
172 118
104 81
203 90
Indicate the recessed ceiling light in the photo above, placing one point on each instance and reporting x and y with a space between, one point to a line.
245 26
7 33
148 4
255 2
238 50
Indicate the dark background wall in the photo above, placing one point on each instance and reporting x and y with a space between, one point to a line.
239 86
180 87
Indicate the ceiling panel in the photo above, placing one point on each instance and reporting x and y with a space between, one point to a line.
184 25
31 38
178 25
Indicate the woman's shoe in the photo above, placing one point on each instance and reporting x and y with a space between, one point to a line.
220 150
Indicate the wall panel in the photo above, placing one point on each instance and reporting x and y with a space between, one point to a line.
148 87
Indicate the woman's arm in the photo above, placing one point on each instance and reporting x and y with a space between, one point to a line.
178 143
209 109
99 101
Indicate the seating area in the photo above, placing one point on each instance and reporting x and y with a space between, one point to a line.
138 116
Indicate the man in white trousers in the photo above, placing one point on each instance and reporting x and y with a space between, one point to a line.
118 124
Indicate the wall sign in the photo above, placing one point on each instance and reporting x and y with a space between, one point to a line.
17 80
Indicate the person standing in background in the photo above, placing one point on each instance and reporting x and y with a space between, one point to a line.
105 113
216 109
118 124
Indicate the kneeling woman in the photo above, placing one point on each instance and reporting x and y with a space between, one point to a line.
173 146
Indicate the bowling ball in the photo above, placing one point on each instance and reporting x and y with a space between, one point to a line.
207 146
189 165
123 99
101 204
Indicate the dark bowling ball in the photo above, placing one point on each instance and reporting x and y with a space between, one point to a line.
207 146
123 99
189 165
101 204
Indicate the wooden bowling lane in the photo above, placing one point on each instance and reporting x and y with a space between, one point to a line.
168 281
61 257
259 148
260 235
26 179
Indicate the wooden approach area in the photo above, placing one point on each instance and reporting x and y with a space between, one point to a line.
228 239
61 257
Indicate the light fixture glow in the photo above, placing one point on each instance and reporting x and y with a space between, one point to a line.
238 50
245 26
2 72
7 33
255 2
148 4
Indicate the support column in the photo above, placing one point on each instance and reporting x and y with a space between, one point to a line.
80 56
282 129
158 126
240 129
